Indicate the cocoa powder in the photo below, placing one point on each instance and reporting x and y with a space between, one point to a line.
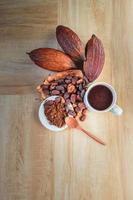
55 112
100 97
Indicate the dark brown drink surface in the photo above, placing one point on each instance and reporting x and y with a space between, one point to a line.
100 97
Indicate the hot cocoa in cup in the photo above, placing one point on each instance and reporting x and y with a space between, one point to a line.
101 97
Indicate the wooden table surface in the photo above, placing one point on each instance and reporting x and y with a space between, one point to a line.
36 164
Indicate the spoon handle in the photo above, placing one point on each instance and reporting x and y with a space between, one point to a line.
92 136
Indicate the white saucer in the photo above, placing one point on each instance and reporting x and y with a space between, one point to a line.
43 118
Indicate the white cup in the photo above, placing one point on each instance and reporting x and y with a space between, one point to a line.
115 109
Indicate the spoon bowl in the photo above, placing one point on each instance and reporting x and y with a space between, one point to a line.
73 123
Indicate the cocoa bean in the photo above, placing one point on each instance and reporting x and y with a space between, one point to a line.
55 92
67 81
60 80
82 117
61 94
78 92
66 95
81 105
74 105
65 85
74 80
59 87
79 81
63 91
54 83
72 113
69 77
79 97
73 98
52 87
71 88
77 109
68 101
84 111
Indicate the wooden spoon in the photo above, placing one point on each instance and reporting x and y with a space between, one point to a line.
73 123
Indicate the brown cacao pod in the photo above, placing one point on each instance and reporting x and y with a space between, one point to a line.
95 58
70 43
51 59
57 76
61 75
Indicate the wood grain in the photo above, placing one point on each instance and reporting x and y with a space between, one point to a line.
36 164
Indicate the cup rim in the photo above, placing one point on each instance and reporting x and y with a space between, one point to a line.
110 87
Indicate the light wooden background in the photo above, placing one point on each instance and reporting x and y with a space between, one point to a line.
36 164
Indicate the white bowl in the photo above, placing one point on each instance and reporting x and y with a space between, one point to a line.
43 119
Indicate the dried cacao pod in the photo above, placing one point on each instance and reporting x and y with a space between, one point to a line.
51 59
70 43
61 75
95 58
56 77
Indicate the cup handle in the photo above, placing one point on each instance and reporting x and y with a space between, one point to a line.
116 110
